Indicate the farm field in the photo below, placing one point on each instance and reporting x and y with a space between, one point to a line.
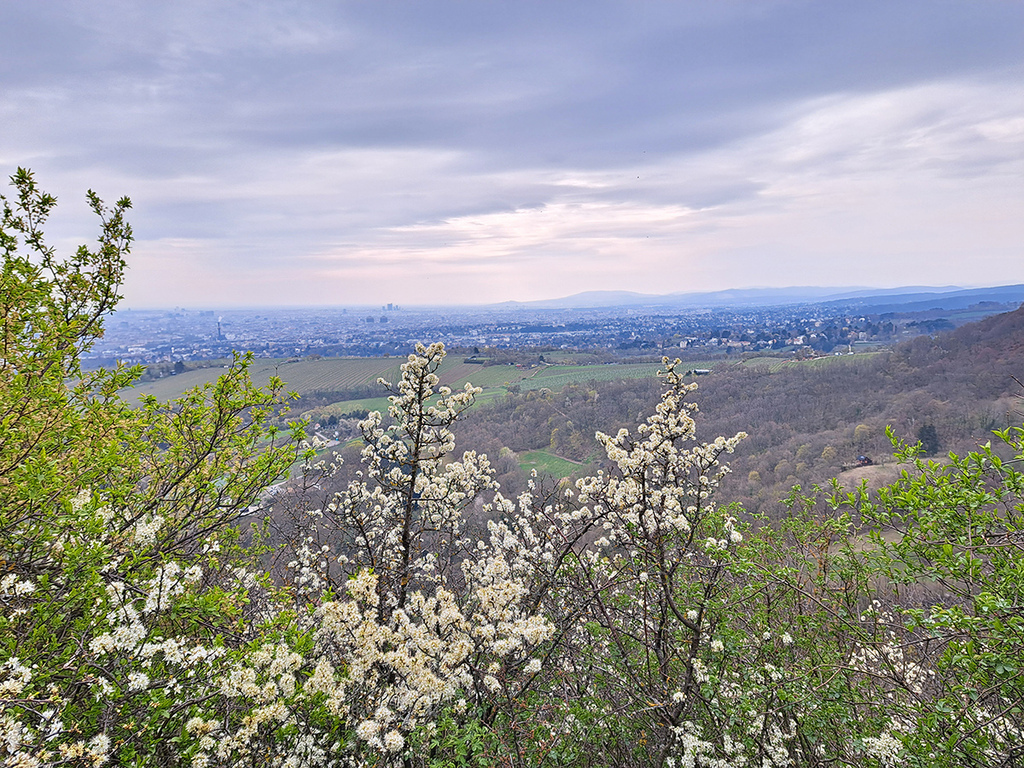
340 373
345 407
771 363
332 374
485 376
854 359
302 376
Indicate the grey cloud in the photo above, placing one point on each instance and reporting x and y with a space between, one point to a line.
277 129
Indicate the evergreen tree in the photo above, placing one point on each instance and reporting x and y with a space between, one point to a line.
929 439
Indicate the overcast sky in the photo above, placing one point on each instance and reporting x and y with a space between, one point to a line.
472 152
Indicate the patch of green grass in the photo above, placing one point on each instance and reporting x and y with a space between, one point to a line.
548 463
764 361
485 376
855 359
557 376
489 396
345 407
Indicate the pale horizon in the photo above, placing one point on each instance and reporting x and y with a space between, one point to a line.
551 302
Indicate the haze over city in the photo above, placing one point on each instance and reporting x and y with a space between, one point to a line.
466 153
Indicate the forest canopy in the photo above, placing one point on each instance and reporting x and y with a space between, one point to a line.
152 614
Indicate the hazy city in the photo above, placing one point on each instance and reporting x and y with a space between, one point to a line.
165 336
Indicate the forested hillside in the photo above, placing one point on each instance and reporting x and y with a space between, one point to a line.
806 423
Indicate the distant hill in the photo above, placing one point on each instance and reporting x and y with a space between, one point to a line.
868 300
917 301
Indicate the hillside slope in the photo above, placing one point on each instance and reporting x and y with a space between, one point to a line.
806 424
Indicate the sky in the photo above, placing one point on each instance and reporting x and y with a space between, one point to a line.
468 152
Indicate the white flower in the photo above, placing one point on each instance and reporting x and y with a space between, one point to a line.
82 498
11 585
393 741
368 730
138 681
532 666
145 531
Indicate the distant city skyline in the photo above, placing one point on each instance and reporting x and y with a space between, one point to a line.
460 153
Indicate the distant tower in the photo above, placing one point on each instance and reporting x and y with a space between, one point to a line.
220 336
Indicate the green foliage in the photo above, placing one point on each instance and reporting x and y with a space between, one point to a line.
956 559
628 620
107 511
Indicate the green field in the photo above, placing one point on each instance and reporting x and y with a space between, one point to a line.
333 374
854 359
771 363
547 463
328 374
337 374
557 376
485 376
345 407
340 373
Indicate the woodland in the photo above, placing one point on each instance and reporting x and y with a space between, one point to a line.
159 608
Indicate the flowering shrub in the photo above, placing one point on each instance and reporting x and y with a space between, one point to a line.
423 618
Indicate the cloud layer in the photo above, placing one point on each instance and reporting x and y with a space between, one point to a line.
450 152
